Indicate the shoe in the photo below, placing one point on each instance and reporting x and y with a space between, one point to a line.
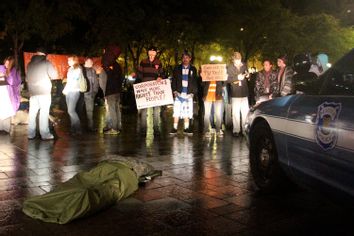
188 131
112 132
173 131
31 138
49 137
207 134
220 134
106 129
157 132
236 134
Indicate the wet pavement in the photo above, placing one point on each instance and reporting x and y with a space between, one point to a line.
206 187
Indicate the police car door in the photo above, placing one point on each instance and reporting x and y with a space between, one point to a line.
321 147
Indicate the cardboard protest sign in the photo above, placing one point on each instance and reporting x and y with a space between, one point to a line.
214 72
60 62
153 93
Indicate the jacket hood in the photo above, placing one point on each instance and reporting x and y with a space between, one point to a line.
38 58
322 60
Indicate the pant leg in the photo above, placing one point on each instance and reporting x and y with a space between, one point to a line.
207 112
143 117
118 112
156 111
71 101
44 104
32 116
244 111
236 107
218 109
89 104
113 102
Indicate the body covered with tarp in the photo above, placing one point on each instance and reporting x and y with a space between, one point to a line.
87 192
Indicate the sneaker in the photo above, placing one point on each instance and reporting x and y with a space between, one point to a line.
31 138
207 134
157 132
105 129
49 137
188 131
220 134
236 134
173 131
112 132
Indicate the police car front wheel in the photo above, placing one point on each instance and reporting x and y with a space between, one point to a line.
265 168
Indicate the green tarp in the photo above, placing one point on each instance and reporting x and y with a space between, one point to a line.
85 193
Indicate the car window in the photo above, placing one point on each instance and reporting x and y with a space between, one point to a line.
338 82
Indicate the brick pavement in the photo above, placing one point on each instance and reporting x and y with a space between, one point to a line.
206 188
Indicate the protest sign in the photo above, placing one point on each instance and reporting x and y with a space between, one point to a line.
60 62
214 72
153 93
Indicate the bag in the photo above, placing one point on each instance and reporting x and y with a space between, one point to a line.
83 83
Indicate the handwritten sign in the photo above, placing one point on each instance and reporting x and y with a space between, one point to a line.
60 62
214 72
153 93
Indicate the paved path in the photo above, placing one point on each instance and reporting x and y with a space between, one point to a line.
206 188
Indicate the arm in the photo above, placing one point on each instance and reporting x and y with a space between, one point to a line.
52 72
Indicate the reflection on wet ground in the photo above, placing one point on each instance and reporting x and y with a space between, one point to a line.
206 187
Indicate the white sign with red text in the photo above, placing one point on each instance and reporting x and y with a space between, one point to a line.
153 93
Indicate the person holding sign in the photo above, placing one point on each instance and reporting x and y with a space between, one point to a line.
184 87
238 91
212 96
150 69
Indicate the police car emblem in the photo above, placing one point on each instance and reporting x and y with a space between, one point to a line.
326 130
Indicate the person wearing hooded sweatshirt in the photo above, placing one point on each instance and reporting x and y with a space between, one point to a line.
40 72
113 89
321 64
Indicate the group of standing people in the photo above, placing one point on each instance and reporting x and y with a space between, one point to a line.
186 86
40 72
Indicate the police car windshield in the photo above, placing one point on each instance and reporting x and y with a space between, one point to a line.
339 80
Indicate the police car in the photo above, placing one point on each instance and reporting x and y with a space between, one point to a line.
308 137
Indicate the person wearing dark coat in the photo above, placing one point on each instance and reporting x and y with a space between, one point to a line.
184 88
113 89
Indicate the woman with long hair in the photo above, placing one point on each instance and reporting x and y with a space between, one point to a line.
72 92
10 82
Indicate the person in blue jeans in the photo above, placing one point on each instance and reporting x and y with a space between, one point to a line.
72 93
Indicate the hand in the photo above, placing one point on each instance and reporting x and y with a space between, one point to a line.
190 95
98 69
270 96
159 79
241 77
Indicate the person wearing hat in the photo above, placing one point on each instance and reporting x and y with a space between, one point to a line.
40 72
184 88
150 69
284 76
238 91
